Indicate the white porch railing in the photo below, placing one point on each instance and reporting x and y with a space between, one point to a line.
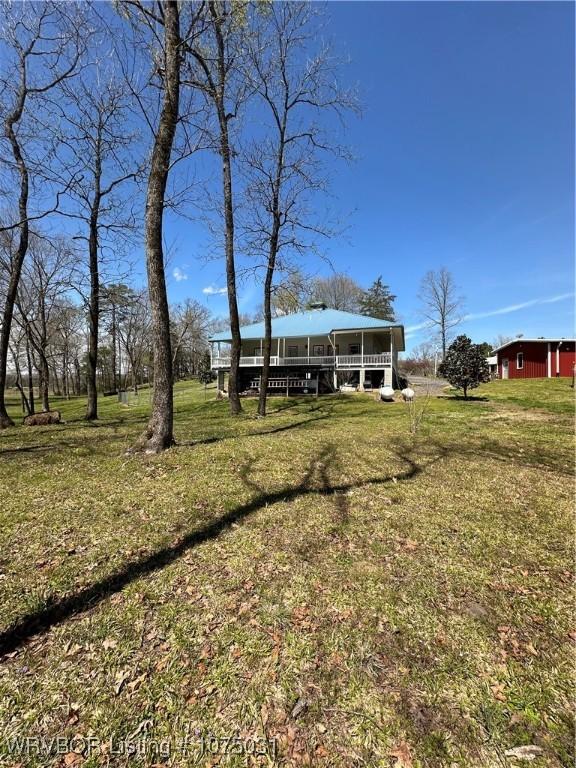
340 361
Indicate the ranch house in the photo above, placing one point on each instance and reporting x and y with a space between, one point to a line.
315 351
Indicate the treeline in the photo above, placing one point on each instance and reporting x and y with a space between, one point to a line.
115 115
49 336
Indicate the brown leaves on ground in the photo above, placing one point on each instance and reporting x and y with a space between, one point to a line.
402 754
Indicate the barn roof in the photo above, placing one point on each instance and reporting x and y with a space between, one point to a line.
312 322
540 340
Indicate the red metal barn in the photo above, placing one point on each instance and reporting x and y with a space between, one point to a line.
536 358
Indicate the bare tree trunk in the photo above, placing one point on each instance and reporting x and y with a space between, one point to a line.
44 383
77 385
236 346
30 373
19 385
113 350
223 117
159 432
272 254
24 49
23 238
65 375
94 305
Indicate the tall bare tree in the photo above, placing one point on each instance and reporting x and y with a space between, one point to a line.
338 291
284 166
41 47
47 277
441 304
218 74
97 162
192 324
163 20
133 333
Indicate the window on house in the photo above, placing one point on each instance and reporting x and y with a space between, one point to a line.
292 351
257 352
520 360
354 349
318 350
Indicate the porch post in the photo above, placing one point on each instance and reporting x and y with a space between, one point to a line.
278 352
308 350
391 358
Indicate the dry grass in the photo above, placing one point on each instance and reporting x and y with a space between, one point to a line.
321 579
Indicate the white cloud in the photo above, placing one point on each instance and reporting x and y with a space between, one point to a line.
412 330
212 290
179 275
516 307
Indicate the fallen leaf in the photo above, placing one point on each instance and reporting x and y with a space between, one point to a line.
109 643
299 707
136 683
121 677
526 752
403 755
73 758
498 692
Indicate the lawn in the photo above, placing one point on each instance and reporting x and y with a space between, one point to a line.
320 586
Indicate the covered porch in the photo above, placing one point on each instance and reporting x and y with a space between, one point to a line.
339 350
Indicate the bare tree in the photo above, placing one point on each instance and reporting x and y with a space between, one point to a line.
162 20
442 306
133 328
283 166
97 162
165 29
217 73
422 360
192 324
67 344
291 294
501 339
42 46
338 291
46 279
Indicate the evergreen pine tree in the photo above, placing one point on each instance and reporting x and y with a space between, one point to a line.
377 301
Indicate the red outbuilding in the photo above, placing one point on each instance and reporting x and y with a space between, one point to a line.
536 358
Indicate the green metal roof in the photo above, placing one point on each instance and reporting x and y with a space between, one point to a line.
312 322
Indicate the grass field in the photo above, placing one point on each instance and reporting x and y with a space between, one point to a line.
320 581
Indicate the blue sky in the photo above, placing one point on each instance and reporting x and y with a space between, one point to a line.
465 159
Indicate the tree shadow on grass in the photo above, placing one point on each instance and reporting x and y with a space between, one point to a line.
470 399
60 609
321 414
25 449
